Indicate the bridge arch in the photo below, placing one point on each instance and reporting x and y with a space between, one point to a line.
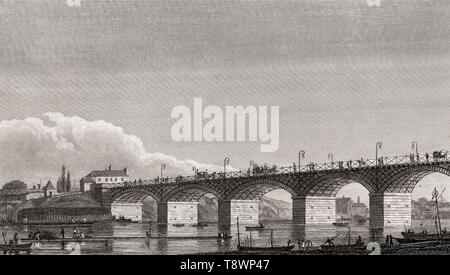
191 192
255 189
133 195
328 185
406 180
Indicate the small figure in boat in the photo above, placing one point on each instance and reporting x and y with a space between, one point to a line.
74 235
389 241
30 235
359 241
329 242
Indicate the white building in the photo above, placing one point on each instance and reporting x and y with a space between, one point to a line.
107 176
36 192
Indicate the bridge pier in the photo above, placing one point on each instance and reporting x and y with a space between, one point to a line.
313 210
102 194
390 210
246 210
173 212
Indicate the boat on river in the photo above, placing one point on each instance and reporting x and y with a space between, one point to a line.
257 227
441 236
247 246
412 237
341 224
178 224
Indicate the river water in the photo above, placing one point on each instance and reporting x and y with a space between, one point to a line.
130 238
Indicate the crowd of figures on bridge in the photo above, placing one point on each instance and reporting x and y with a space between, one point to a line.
256 169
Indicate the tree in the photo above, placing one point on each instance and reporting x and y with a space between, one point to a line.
68 183
61 183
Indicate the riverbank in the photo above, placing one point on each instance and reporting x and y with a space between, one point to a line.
429 248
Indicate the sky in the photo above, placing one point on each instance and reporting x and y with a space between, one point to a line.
92 85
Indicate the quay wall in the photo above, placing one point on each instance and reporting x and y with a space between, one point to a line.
64 214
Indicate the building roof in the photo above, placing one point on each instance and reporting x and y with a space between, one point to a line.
87 179
49 186
108 173
13 188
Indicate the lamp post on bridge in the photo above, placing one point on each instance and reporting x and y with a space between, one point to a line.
226 161
379 146
195 171
252 166
331 157
163 167
415 145
301 155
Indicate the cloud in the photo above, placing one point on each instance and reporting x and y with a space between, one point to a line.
34 149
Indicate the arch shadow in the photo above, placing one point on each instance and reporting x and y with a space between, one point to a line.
255 189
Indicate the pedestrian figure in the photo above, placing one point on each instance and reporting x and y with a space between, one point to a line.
62 233
16 239
359 241
74 233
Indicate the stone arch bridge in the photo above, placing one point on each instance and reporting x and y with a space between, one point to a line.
390 182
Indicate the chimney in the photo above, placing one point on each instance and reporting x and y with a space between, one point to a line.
110 166
358 200
39 186
125 170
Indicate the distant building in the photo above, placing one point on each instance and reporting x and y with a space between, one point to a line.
344 207
35 192
126 210
14 192
107 176
49 189
360 208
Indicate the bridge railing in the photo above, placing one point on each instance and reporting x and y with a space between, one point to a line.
261 171
74 193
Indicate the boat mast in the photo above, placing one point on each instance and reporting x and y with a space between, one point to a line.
250 238
349 235
436 197
238 233
271 238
